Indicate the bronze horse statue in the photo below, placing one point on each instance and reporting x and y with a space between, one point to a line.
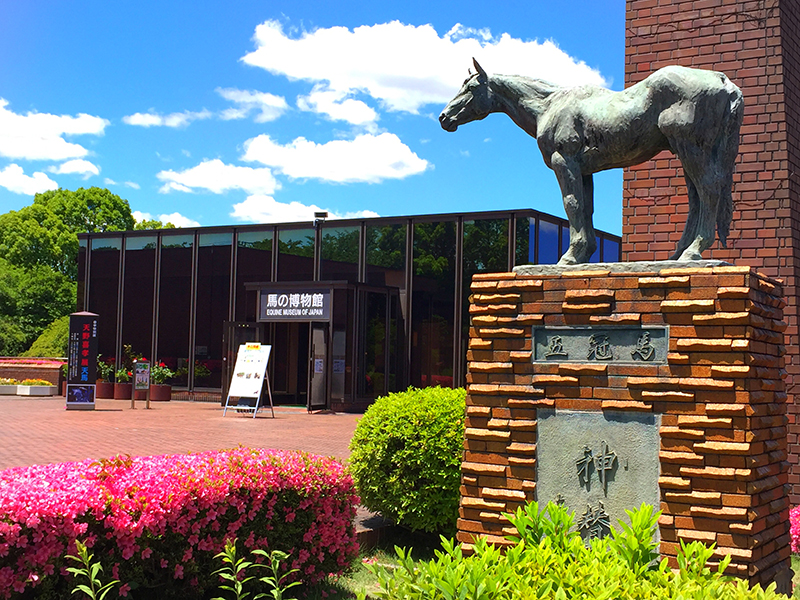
582 130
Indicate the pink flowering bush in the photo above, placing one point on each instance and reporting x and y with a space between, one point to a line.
156 522
794 521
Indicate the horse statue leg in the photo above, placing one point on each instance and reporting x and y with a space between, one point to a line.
704 189
574 191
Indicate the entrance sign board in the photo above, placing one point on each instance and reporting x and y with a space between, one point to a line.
249 375
82 361
294 304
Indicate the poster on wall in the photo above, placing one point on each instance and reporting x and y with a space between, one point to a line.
82 361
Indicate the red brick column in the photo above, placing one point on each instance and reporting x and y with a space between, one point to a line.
757 44
720 394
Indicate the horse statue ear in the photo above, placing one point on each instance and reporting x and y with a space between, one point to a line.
478 68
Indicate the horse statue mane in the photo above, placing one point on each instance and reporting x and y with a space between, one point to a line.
695 113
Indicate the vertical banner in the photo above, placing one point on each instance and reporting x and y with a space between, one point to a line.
82 361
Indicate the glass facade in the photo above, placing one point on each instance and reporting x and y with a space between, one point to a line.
399 289
175 305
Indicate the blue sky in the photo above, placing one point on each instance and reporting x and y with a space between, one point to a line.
251 111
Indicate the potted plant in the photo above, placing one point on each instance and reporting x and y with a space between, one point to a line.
160 390
123 388
105 378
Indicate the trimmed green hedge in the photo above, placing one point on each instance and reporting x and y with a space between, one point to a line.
406 457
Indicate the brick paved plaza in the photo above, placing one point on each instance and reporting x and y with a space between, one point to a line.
37 431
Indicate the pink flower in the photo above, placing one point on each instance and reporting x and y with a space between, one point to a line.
178 571
124 589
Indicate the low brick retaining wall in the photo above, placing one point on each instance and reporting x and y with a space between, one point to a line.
18 368
718 394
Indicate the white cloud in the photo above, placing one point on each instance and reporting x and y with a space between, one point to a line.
40 136
265 209
178 119
404 66
367 158
13 178
337 106
269 106
133 185
175 218
77 166
217 177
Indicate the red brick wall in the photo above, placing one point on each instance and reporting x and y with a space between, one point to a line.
722 459
757 44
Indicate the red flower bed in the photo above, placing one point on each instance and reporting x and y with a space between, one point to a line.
156 522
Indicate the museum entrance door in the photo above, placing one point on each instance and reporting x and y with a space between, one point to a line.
318 368
290 347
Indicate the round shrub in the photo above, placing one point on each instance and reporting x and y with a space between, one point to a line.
406 457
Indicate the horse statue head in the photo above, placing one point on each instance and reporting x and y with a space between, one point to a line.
472 103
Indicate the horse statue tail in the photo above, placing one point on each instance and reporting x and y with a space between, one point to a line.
730 150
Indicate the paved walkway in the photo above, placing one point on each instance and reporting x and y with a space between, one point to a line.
39 431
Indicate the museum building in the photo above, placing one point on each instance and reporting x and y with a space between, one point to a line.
353 308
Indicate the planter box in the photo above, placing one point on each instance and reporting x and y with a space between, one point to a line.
8 390
37 390
160 392
104 389
123 391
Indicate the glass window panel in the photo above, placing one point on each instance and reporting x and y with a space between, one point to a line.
564 240
106 244
611 251
177 241
485 251
253 265
103 294
175 291
386 255
433 304
214 239
296 255
82 254
137 308
148 242
547 243
372 370
211 309
339 254
526 241
595 257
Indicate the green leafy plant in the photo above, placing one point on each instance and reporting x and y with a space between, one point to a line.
236 572
90 570
406 457
275 580
123 376
160 373
550 561
105 370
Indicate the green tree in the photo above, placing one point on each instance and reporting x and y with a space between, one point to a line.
35 235
89 210
152 224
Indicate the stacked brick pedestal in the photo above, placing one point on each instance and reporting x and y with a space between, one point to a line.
723 461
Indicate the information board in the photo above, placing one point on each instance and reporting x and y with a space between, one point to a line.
141 375
82 361
249 371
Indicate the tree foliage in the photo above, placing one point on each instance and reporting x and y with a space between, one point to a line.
38 258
